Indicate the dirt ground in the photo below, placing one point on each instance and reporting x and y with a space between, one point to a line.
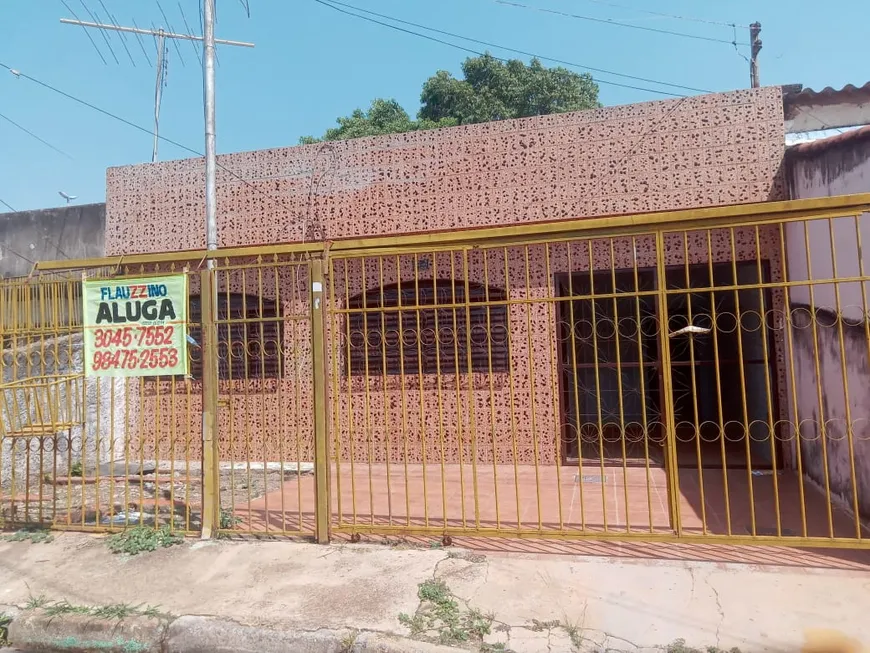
174 496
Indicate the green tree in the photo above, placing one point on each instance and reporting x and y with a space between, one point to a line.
491 89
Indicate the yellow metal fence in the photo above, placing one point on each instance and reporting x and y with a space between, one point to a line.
698 376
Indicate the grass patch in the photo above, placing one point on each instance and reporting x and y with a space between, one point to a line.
679 646
228 520
348 641
574 634
111 612
5 620
143 539
32 535
76 470
36 602
441 618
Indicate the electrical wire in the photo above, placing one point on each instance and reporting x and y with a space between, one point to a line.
336 5
5 245
30 133
664 15
90 38
145 130
609 21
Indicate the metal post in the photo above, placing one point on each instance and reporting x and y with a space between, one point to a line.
755 48
321 448
211 472
210 467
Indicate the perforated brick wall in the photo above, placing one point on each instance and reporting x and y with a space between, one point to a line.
676 154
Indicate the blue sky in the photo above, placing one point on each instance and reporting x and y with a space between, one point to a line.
312 64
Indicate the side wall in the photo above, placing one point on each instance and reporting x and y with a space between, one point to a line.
831 331
72 232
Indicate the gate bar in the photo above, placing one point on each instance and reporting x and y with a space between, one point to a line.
321 450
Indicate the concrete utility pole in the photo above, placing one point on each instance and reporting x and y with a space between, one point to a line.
211 231
211 502
755 45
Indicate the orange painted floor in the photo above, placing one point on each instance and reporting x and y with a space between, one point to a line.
553 499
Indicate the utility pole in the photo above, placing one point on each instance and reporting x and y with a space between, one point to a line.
208 292
211 231
755 48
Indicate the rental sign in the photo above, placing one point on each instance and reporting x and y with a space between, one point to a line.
135 327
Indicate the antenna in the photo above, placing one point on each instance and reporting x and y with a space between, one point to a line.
162 64
160 35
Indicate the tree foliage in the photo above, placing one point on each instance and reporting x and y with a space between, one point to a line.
491 89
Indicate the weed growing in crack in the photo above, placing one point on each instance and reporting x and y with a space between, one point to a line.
141 539
494 648
348 641
679 646
36 602
440 617
540 626
111 612
574 634
5 621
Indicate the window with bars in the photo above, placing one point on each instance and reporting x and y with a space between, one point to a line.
250 335
427 327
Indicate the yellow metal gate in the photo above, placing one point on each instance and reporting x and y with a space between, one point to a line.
695 376
694 380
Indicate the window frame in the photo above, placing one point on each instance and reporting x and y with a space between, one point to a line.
239 322
387 319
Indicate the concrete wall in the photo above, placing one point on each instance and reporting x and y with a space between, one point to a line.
831 357
50 234
99 413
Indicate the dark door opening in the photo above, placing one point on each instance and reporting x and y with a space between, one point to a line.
724 395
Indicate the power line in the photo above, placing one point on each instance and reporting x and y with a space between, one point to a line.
616 23
145 130
336 5
30 133
665 15
5 245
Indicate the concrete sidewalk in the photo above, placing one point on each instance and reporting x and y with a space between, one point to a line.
538 602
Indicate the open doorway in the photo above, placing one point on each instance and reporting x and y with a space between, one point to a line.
611 341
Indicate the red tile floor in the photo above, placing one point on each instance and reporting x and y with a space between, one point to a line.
558 499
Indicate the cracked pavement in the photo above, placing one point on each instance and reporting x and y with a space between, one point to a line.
616 604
